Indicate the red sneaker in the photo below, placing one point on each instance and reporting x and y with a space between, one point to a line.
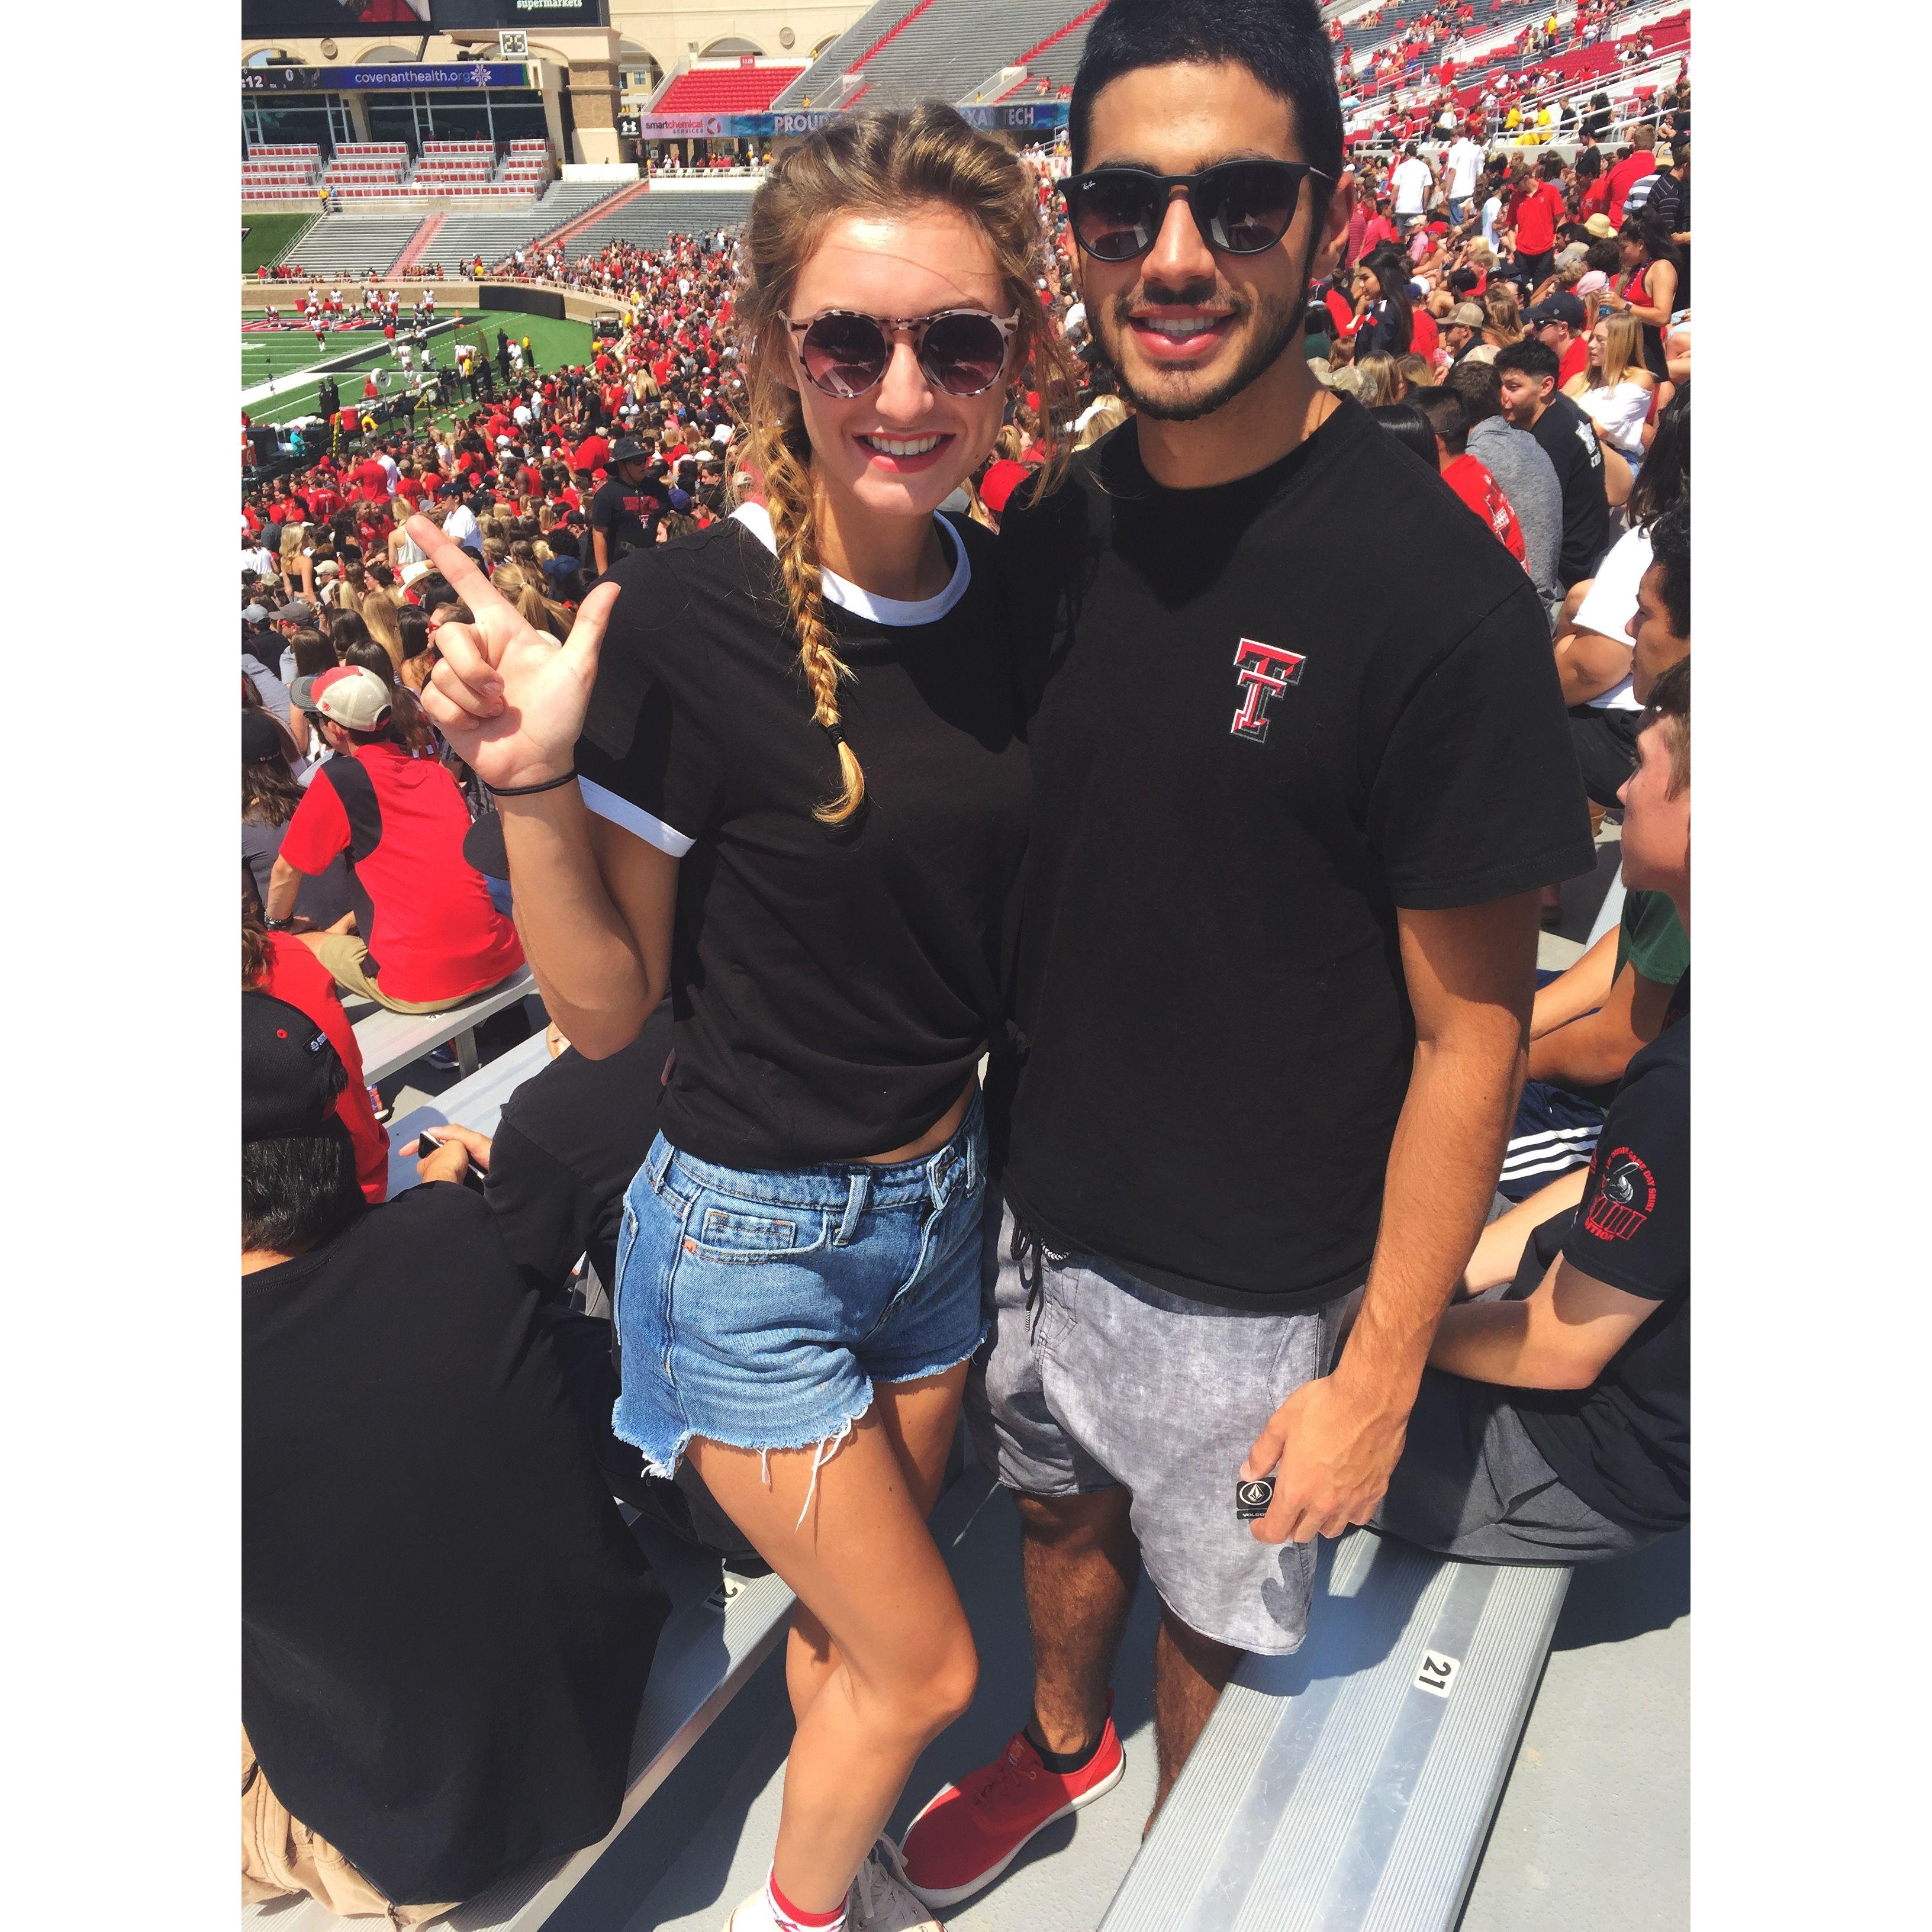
972 1831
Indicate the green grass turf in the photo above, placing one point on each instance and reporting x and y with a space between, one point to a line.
554 344
268 235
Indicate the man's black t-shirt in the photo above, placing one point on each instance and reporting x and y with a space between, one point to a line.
1569 441
446 1628
833 985
1266 723
570 1141
627 514
1624 1443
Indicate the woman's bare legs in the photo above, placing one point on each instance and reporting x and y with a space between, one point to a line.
898 1662
919 1418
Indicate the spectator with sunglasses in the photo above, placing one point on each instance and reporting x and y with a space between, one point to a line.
791 783
1337 768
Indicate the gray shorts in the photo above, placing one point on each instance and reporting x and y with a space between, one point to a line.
1471 1483
1108 1382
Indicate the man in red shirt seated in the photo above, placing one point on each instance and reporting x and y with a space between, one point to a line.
1468 475
437 937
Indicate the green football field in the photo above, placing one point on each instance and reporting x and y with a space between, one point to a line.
268 355
264 236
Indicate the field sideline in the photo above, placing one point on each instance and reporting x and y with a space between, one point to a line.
264 354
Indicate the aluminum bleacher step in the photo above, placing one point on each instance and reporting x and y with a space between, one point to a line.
476 1101
1349 1788
389 1042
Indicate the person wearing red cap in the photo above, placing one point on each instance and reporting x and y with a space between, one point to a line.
436 937
279 965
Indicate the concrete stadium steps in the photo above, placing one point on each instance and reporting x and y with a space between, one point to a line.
949 50
845 53
1058 58
352 244
427 231
464 236
648 220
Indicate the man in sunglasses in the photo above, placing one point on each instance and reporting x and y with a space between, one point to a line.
1301 763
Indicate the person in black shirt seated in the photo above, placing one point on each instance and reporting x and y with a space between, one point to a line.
1554 1421
1528 371
446 1628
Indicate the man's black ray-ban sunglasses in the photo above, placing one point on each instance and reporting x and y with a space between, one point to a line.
1240 207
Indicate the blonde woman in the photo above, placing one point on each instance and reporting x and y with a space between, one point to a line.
1381 381
378 613
403 549
521 590
1505 315
791 787
1615 390
297 573
1107 414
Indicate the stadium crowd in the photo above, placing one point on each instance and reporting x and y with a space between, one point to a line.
1499 332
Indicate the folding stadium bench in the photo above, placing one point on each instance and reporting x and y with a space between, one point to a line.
390 1041
475 1101
1350 1788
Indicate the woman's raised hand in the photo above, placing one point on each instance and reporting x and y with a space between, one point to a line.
510 700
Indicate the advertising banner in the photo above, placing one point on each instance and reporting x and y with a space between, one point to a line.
358 79
1026 117
302 17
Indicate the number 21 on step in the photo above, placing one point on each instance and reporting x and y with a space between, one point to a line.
1437 1673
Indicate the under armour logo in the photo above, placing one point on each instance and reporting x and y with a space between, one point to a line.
1265 672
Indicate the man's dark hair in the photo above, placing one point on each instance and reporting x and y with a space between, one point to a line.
1670 697
1478 387
1461 281
1670 553
1281 42
1664 480
1409 427
1448 418
299 1191
1534 359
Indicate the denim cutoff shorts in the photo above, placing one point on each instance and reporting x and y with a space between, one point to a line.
758 1309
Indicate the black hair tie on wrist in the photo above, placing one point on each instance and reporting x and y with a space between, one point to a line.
527 791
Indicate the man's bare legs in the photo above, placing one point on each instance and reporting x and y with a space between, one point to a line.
1081 1562
1190 1672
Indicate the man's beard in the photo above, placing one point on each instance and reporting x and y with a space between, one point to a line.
1276 324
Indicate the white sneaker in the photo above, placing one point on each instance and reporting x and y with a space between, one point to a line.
881 1901
754 1915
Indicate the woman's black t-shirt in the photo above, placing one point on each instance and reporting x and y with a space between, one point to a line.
833 985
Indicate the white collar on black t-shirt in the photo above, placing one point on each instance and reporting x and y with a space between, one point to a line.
896 612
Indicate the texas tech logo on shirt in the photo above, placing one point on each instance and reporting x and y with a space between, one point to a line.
1626 1194
1264 672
